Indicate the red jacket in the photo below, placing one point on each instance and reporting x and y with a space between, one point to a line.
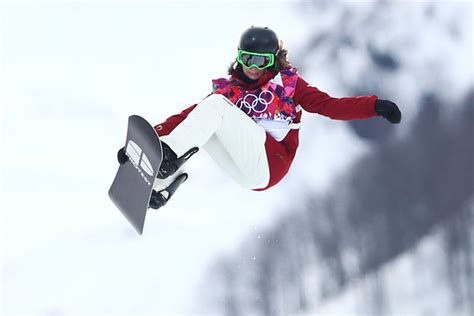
280 155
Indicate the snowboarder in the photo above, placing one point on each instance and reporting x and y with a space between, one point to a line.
249 123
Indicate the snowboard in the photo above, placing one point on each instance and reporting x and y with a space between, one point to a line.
133 184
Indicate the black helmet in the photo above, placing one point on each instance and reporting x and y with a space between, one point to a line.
259 40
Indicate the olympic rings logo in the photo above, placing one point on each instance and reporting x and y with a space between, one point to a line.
257 104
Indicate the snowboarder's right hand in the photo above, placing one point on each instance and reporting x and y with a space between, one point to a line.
122 156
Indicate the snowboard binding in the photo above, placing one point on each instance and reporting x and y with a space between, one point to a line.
171 163
160 198
169 166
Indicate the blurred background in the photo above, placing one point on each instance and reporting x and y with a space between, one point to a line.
373 218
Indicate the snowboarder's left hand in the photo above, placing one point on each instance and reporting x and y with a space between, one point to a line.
388 110
121 156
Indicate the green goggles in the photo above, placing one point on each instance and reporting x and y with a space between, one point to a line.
258 60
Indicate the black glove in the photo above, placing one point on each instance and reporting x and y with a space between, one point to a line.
388 110
121 156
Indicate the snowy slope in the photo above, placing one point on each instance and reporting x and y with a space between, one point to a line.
73 73
416 283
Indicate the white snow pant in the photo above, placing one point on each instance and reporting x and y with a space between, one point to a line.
230 137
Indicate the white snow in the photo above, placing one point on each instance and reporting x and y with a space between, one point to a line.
71 73
414 284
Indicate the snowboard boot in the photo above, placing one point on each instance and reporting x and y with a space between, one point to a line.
160 198
171 163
